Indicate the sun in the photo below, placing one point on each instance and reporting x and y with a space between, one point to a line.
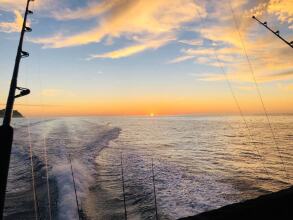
152 114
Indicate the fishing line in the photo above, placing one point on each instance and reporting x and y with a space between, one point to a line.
74 186
45 152
68 156
220 64
257 87
47 177
154 186
154 124
36 206
123 188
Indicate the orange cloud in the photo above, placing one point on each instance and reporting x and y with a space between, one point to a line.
283 9
44 5
271 59
134 49
14 26
146 23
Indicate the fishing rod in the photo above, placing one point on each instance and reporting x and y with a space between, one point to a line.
276 33
6 131
74 186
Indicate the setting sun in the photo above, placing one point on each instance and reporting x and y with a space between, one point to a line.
152 114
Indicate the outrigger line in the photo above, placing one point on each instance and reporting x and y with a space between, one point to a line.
155 194
277 33
123 188
74 186
6 131
220 64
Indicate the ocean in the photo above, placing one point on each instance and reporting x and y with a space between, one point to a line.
200 163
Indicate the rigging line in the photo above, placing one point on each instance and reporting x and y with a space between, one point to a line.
260 156
123 188
220 64
258 89
154 185
74 185
36 206
47 177
44 136
44 139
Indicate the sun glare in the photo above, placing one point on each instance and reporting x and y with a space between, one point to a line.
152 114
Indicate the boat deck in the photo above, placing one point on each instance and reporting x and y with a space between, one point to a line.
278 205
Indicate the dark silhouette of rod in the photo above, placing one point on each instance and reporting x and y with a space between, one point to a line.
6 131
123 189
154 185
276 33
74 186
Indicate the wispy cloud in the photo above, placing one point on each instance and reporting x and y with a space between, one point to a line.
271 60
9 5
193 42
13 26
151 20
136 48
283 9
181 59
91 11
286 87
44 5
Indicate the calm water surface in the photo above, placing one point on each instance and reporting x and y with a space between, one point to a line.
200 163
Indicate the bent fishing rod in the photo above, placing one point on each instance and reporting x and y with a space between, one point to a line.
6 131
276 33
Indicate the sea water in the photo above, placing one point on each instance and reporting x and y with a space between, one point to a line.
200 163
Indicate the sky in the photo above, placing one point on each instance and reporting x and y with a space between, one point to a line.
161 57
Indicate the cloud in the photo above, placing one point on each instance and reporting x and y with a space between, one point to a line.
91 11
181 59
286 87
151 20
211 77
17 7
271 59
14 26
207 76
283 75
192 42
134 49
39 5
9 5
246 88
283 9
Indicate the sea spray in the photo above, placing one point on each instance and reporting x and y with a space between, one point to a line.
67 207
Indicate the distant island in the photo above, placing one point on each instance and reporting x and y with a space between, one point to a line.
16 114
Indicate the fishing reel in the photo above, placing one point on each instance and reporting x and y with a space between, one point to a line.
23 92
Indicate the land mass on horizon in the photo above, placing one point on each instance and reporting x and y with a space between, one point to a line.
16 114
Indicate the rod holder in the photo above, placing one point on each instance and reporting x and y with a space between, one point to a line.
24 54
276 33
27 29
23 92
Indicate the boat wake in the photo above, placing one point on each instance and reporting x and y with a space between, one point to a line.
82 140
